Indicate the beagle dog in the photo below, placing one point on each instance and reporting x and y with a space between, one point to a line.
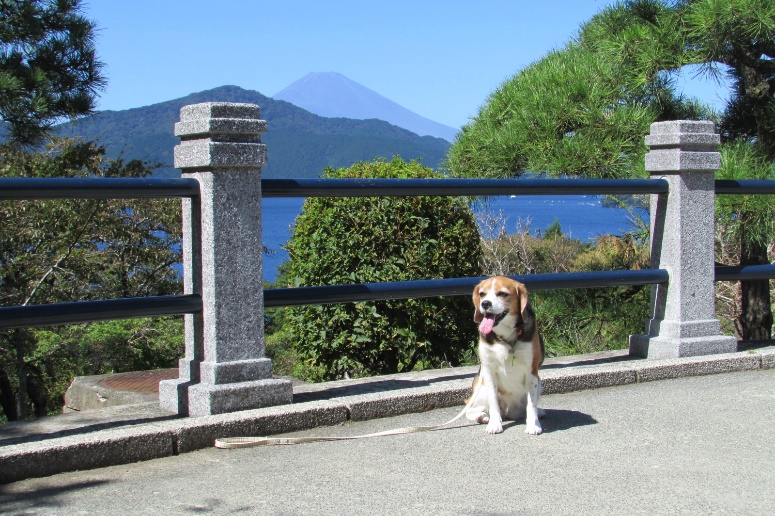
510 352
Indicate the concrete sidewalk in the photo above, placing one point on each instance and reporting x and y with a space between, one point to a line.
696 445
131 433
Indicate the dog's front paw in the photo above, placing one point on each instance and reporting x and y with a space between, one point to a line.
494 427
533 428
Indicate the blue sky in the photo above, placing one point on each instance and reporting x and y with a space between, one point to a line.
440 59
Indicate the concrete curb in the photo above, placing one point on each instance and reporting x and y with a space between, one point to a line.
49 446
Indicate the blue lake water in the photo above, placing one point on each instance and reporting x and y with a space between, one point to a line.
581 216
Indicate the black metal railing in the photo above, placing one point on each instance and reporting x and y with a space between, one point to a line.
457 187
100 310
114 188
744 187
95 188
454 287
748 186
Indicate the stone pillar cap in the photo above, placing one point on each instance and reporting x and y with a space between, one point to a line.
221 119
684 134
220 110
220 135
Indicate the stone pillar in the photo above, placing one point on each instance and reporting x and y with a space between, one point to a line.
683 319
225 368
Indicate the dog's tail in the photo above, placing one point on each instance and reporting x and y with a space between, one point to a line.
475 385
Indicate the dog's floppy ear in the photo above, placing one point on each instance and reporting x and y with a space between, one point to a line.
524 303
477 314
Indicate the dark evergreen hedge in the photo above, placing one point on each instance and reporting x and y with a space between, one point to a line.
361 240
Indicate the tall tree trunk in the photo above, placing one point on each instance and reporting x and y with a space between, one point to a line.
21 374
755 319
7 397
36 391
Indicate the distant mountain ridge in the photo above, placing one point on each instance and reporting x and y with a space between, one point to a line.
331 94
299 143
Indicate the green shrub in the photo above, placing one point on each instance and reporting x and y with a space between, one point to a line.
573 321
585 320
64 352
379 239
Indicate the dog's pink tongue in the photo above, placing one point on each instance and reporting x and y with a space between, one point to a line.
487 324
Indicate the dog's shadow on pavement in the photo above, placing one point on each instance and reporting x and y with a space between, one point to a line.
557 420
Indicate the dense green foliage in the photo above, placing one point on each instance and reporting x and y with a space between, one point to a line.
69 250
58 251
559 115
741 36
63 352
48 66
647 38
580 321
744 234
585 109
363 240
300 144
746 218
574 112
574 321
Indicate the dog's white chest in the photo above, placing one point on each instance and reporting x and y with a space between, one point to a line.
510 367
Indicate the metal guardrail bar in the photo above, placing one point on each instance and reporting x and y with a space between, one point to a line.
745 272
90 311
125 188
748 186
29 188
453 287
103 310
152 187
352 187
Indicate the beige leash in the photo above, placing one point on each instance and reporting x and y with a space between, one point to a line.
248 442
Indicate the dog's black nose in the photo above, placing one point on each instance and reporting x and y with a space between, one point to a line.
486 304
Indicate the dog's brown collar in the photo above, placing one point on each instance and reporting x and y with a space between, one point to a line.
492 337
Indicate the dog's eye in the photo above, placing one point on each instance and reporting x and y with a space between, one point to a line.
503 294
482 294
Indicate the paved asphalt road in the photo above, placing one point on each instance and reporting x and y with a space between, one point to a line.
701 445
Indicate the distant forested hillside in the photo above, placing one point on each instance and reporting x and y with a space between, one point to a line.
300 144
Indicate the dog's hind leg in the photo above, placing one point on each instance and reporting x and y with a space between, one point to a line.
477 412
532 424
541 412
477 415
